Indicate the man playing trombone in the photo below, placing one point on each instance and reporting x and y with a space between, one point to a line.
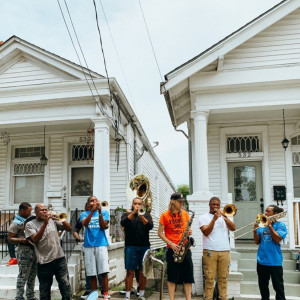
216 249
137 225
269 255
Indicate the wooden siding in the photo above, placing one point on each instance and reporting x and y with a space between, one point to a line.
24 72
3 159
214 167
118 177
276 45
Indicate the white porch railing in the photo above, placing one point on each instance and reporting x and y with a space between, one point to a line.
296 221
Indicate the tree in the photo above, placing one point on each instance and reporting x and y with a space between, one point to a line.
184 189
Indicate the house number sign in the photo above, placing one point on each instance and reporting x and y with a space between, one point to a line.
85 139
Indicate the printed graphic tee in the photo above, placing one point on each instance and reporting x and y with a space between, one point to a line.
175 225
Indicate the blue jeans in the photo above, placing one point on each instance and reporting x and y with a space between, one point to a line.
59 269
88 282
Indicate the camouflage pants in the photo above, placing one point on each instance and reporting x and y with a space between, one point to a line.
27 273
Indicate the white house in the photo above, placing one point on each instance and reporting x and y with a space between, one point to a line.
232 97
89 133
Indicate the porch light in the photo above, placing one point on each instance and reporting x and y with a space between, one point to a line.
44 159
285 141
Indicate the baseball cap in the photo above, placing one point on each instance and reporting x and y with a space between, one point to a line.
177 196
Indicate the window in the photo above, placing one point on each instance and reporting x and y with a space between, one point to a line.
28 182
237 144
296 174
296 140
82 152
82 181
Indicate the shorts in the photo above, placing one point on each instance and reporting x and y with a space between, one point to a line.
134 257
179 273
96 260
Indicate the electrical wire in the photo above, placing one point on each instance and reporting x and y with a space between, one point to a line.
119 60
150 41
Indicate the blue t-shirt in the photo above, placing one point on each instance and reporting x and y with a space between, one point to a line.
269 253
94 236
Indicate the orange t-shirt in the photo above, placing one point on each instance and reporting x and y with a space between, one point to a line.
174 225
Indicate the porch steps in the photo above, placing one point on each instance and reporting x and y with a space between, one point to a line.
249 285
9 274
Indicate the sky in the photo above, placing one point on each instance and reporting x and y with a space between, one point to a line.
179 30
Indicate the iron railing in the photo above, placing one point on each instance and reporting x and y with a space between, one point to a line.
6 217
67 239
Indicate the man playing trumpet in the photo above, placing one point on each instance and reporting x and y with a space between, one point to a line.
216 250
43 231
95 244
137 225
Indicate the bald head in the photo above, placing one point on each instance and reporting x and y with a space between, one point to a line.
40 211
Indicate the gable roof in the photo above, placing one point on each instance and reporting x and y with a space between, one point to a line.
230 42
16 46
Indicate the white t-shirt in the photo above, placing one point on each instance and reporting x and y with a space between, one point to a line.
218 239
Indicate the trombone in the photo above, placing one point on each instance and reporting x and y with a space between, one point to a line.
229 210
262 221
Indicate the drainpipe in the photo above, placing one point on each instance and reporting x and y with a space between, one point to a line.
134 151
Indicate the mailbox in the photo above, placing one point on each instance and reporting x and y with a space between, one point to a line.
279 193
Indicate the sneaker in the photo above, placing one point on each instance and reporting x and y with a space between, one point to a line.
12 261
106 297
138 291
102 296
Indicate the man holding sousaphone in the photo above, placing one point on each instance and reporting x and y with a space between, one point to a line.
137 223
216 249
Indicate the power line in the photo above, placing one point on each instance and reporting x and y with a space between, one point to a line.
150 41
119 60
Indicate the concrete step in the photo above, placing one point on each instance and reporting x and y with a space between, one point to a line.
252 254
257 297
288 275
9 292
251 288
288 264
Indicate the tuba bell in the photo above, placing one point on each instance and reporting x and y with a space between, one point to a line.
139 186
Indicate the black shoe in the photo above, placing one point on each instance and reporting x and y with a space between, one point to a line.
138 291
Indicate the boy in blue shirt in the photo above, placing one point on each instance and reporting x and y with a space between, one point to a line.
95 244
269 255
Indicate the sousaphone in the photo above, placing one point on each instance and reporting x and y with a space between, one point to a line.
139 186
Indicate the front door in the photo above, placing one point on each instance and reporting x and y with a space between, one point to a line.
245 184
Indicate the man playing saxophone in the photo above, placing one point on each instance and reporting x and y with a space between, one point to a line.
269 255
172 226
216 249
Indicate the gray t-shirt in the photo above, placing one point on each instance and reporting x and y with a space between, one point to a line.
49 247
20 233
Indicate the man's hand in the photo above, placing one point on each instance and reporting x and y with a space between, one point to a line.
175 247
95 206
190 231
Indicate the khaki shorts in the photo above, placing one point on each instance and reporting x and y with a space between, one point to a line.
96 260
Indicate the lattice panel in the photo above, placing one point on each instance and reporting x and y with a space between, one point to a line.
82 152
28 169
296 158
238 144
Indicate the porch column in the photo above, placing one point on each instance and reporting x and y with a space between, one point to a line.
200 164
101 183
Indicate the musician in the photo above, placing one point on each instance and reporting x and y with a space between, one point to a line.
79 238
95 244
43 231
137 242
269 255
216 249
172 225
26 256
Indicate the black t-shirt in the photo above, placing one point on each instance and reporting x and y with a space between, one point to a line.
136 233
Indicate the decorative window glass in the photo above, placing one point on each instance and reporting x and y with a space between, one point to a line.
28 183
25 152
82 152
296 158
296 140
237 144
82 181
245 183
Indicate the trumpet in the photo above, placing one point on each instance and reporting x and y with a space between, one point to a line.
104 204
262 221
62 217
141 211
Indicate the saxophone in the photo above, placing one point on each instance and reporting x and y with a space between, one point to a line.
186 241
